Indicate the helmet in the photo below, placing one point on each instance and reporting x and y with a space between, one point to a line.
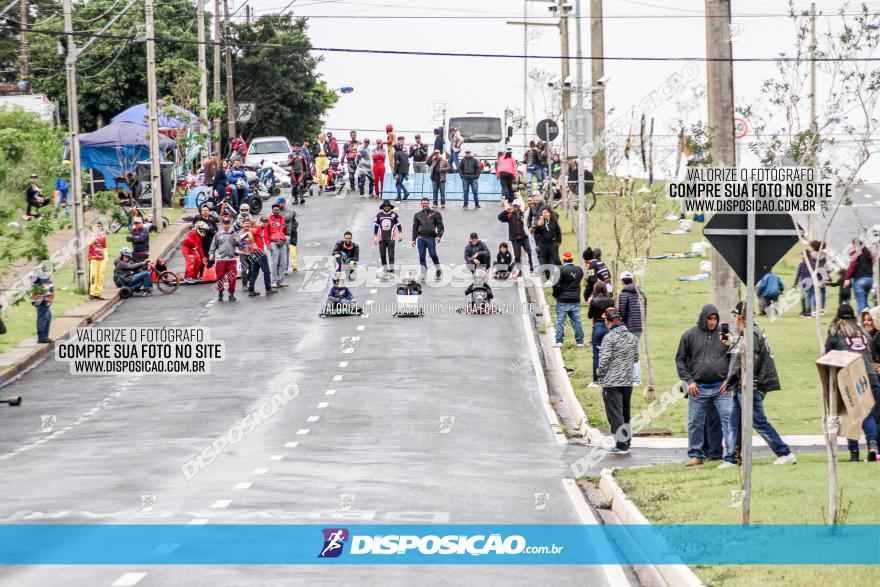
201 227
244 208
125 252
378 141
388 128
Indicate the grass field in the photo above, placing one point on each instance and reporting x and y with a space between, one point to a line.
672 494
21 318
673 307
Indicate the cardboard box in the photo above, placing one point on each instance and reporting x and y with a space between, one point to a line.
854 397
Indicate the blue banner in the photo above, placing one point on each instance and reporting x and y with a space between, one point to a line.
260 544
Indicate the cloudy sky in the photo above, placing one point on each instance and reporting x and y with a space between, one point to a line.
402 90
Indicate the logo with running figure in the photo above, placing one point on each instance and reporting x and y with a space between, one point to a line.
334 540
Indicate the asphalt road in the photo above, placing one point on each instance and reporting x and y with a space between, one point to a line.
432 419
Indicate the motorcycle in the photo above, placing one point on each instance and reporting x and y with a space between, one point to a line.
262 186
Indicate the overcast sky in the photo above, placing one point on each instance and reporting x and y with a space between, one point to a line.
402 90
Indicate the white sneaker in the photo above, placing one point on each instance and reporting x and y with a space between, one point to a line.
580 345
593 384
557 344
726 465
788 459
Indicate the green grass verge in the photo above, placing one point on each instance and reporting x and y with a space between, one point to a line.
673 494
21 318
673 307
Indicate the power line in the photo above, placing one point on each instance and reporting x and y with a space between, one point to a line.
168 40
553 18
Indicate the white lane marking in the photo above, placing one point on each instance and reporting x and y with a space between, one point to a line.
302 431
362 326
337 378
276 457
290 444
323 405
372 291
129 579
243 485
221 503
313 418
166 548
330 392
369 302
348 351
199 522
343 364
260 471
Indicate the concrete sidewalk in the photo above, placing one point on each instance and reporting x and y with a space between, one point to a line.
29 352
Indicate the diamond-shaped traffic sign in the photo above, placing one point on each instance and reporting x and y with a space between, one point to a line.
775 234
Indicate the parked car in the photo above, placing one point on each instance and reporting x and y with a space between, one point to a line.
271 149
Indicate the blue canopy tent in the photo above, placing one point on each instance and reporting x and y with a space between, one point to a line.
115 150
140 114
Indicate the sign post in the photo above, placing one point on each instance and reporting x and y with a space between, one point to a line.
735 237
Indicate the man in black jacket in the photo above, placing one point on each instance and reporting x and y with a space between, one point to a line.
419 154
702 363
346 251
548 237
476 254
567 292
401 168
469 171
766 380
428 232
139 239
516 232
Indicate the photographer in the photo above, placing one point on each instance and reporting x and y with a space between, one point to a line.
35 199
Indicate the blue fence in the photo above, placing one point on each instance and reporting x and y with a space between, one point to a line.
419 185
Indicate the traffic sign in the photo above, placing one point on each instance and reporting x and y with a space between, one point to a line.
244 111
775 234
740 128
547 130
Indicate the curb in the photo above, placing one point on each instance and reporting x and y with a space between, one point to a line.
675 575
19 359
556 365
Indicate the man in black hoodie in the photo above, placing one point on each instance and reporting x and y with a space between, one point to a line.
567 292
702 363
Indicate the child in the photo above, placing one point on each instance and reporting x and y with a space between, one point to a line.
339 295
503 261
42 294
479 294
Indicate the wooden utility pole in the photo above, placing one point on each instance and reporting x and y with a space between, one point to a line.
564 8
24 54
217 91
81 266
230 90
597 51
719 68
203 71
155 166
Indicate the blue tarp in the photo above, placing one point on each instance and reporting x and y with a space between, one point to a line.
115 150
140 115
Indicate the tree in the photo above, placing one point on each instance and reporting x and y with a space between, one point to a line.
275 69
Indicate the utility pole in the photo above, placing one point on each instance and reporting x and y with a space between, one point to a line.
814 124
217 91
582 214
525 129
203 71
719 68
155 168
597 51
81 267
564 8
230 90
25 49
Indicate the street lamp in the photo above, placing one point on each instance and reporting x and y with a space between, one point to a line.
344 90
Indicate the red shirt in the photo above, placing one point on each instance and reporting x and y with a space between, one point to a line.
277 229
98 248
259 243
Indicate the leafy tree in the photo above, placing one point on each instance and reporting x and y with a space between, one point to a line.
282 81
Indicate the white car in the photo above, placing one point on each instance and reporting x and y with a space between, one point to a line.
268 149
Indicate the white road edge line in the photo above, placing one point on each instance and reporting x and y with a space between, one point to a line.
129 579
614 573
538 369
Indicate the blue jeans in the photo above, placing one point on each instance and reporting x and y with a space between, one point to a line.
637 368
709 395
571 310
537 171
759 423
453 160
861 286
401 177
62 199
44 321
471 184
428 243
871 423
599 332
439 186
259 262
810 299
140 281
